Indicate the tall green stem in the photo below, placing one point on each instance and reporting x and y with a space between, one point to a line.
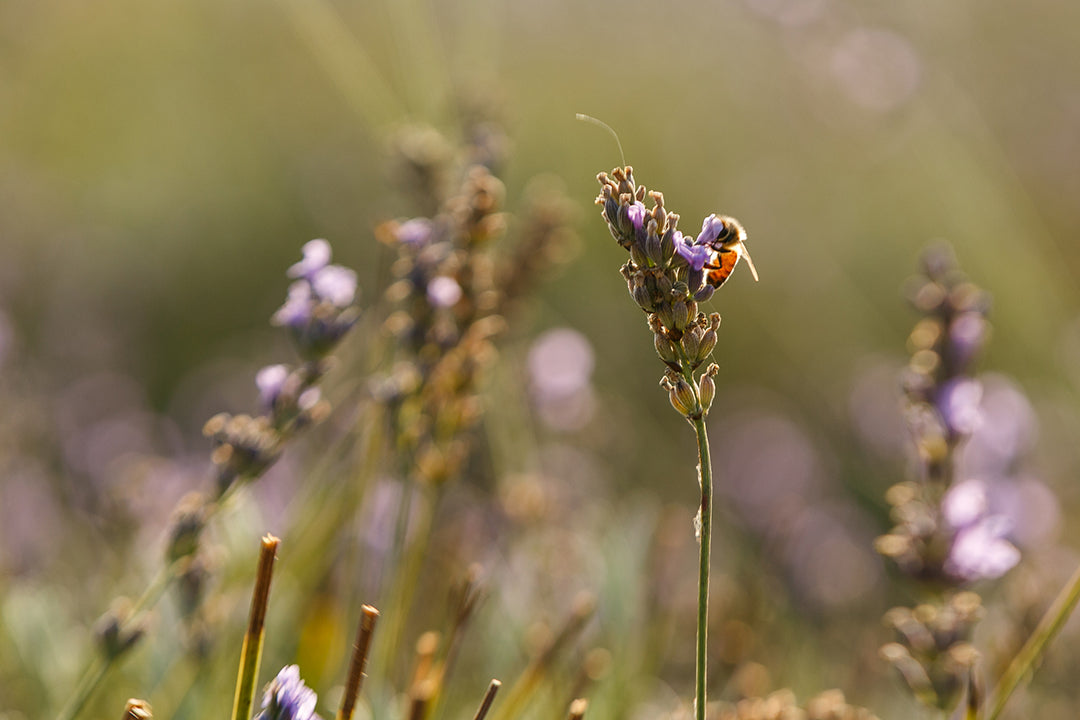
1029 654
705 540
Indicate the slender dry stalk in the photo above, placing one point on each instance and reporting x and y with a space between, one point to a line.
251 653
368 617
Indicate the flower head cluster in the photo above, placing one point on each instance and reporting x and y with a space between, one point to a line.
666 277
941 390
944 534
319 308
318 312
288 698
944 530
446 300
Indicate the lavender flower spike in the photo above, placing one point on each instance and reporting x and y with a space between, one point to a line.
288 698
316 257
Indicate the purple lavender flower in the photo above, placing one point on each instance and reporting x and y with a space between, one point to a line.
443 291
335 284
636 213
959 402
979 548
712 228
316 257
270 381
694 254
967 334
288 698
415 233
296 312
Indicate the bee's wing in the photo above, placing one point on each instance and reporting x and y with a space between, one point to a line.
743 252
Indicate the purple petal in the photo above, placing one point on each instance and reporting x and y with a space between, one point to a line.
636 212
335 284
981 551
695 255
296 311
711 228
959 402
443 292
965 504
415 233
270 380
316 256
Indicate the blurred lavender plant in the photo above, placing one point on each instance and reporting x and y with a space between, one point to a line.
945 536
445 307
318 312
666 277
782 705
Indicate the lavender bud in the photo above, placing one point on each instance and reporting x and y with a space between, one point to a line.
705 347
652 246
680 312
665 349
707 389
641 293
188 522
680 394
667 317
691 342
667 245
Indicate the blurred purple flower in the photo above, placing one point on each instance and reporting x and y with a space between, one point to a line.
965 503
443 291
288 698
967 334
561 363
296 312
959 401
1009 430
316 257
270 380
309 398
695 255
415 233
979 548
636 213
335 284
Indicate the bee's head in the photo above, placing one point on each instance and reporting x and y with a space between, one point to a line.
731 234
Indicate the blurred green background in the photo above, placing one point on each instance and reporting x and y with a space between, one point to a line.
161 164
